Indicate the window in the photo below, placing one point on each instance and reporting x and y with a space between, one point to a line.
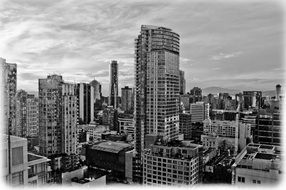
17 178
259 182
17 156
241 179
253 181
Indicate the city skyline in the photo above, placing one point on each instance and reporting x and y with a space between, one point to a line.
222 44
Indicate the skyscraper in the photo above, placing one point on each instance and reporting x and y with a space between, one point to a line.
157 85
32 116
113 86
85 93
126 98
182 83
21 113
27 115
57 116
8 95
97 90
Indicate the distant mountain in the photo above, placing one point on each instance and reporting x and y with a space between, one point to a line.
216 90
269 93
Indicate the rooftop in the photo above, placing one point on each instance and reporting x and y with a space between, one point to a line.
36 159
90 175
32 157
13 138
176 143
259 157
110 146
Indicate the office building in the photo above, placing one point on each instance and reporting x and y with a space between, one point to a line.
27 115
97 90
108 155
196 95
32 116
268 128
126 125
109 117
70 118
186 125
21 113
174 163
126 99
58 113
113 86
8 96
220 128
232 134
185 101
199 111
85 96
258 164
182 83
252 99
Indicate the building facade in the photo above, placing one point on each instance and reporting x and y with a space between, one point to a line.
126 99
15 161
32 116
182 83
157 86
58 112
196 95
8 96
38 170
126 125
199 111
97 90
257 164
186 125
113 86
70 118
268 128
21 113
27 114
85 96
252 99
173 164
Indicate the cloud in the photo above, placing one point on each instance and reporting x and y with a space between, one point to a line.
221 56
78 39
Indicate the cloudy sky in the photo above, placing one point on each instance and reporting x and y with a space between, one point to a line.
236 45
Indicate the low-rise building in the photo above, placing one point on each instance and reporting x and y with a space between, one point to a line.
257 164
38 169
108 155
173 163
15 161
84 176
21 167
